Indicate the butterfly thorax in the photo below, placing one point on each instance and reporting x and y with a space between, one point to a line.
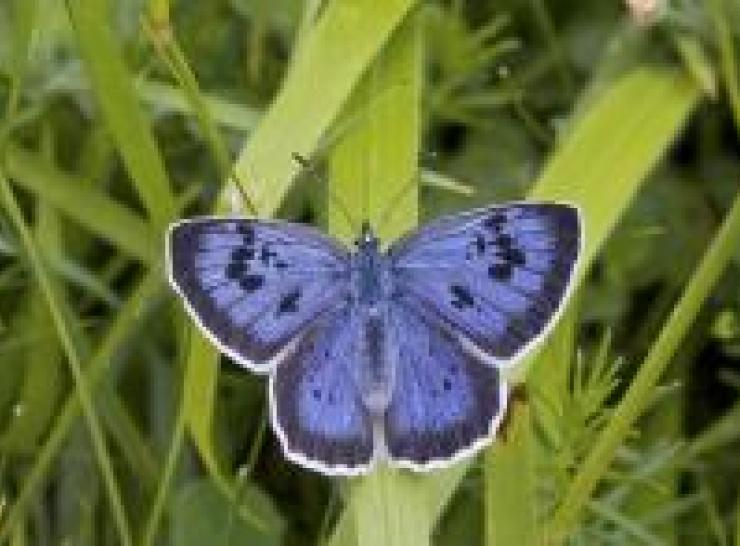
369 269
371 287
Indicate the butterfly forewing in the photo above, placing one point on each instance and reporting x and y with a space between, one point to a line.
253 285
497 277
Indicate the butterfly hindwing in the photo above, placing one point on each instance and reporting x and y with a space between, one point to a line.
496 276
446 404
253 285
317 409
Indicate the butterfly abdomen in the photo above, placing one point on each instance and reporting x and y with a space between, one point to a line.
370 294
375 372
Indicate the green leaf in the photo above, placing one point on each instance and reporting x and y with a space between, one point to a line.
509 485
600 165
83 203
321 78
201 514
120 108
318 84
389 506
41 359
67 335
199 397
129 316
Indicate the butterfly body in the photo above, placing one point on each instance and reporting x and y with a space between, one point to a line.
371 293
374 354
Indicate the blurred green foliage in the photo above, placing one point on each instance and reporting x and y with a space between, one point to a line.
118 117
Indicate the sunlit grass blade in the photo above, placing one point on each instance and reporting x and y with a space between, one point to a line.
510 482
601 165
120 108
84 204
374 169
604 159
322 75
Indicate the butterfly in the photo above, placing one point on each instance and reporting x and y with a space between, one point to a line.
380 354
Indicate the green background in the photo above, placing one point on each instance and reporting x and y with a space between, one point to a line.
120 424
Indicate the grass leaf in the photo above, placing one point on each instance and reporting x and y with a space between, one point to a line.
120 108
322 76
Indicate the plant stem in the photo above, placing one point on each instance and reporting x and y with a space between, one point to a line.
630 408
510 502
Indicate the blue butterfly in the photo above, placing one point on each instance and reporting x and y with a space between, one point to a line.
374 355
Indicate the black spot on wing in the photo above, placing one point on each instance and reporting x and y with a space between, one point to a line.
500 272
252 283
461 297
512 255
243 253
267 254
504 240
247 230
496 221
289 303
480 243
236 270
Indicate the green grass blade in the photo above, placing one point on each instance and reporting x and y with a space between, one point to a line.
373 170
719 10
737 521
199 399
120 108
605 159
43 376
509 486
322 75
633 403
83 203
162 37
120 332
81 385
23 15
201 377
173 455
167 98
600 166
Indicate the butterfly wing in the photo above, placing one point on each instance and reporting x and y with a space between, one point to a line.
253 285
446 404
498 276
316 407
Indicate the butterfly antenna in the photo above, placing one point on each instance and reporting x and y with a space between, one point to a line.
247 202
341 205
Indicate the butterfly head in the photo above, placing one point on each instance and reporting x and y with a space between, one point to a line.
367 239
